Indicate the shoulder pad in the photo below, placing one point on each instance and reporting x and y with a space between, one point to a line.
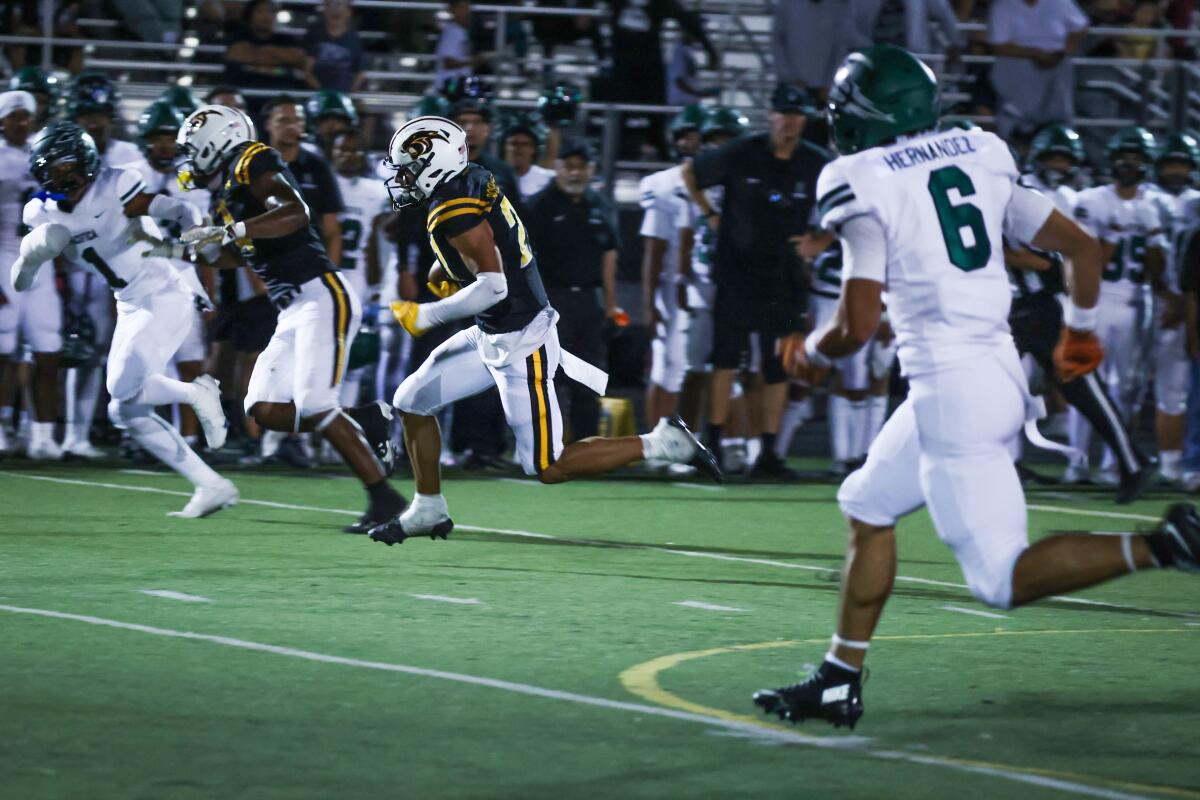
469 195
128 184
257 159
836 200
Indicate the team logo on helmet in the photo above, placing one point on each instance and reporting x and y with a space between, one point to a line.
849 98
421 142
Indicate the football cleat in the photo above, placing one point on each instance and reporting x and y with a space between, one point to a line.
208 500
375 422
683 447
48 450
831 693
1133 484
81 448
772 468
1180 528
209 411
394 531
1077 475
377 515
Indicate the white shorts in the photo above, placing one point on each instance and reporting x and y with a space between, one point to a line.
33 316
939 450
147 334
668 351
521 364
1172 369
1119 334
698 330
305 361
195 346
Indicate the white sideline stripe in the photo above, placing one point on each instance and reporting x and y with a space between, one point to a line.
853 744
146 472
974 611
701 486
171 595
441 598
531 535
1083 512
705 606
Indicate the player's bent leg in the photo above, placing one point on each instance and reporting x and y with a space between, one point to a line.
1092 405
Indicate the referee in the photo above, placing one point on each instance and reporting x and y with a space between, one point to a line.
769 185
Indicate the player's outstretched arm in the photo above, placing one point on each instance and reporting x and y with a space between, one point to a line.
44 243
1078 351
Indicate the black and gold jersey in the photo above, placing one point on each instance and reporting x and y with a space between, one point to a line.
284 263
471 198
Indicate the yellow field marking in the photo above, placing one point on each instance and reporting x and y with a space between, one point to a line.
642 681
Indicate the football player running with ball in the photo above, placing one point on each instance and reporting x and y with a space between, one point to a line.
923 213
486 269
265 224
99 218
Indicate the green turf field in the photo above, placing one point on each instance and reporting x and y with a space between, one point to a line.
594 640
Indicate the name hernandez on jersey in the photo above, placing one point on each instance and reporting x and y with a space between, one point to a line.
943 203
100 235
1131 226
284 263
471 198
16 187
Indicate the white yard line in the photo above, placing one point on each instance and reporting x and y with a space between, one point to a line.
705 606
171 595
606 543
441 598
974 612
705 487
852 744
145 472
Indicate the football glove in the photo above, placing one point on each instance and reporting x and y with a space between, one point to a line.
164 248
203 235
405 312
442 289
1077 354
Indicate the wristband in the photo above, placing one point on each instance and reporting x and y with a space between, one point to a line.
237 230
815 356
1080 319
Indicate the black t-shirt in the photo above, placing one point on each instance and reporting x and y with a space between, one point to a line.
245 76
338 59
285 263
469 199
571 237
318 187
766 201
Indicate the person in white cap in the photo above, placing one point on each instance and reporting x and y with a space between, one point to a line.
33 317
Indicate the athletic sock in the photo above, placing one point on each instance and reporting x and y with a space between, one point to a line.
41 432
835 670
877 408
383 500
159 390
860 432
1169 463
793 418
1079 435
768 443
714 435
161 440
270 442
839 428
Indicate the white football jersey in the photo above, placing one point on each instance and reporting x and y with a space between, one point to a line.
120 153
943 202
1175 211
1130 226
533 181
365 199
99 235
702 293
663 195
1063 197
16 187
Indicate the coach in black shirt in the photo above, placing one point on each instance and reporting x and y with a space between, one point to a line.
573 230
284 117
769 185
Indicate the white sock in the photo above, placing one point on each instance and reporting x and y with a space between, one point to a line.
840 420
41 433
1079 435
6 416
793 418
877 408
164 442
270 442
653 448
436 501
753 450
159 390
82 392
1169 461
860 435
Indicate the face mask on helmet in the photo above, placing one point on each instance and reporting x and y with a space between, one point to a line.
1128 168
1055 170
60 179
186 173
1174 176
402 185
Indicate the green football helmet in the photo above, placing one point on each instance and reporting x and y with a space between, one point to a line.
1129 154
160 117
958 125
1178 148
1055 140
37 81
331 103
530 124
878 95
92 93
560 103
431 105
63 144
365 348
691 118
724 121
180 97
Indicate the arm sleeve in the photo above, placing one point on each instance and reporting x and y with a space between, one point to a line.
864 250
1156 233
485 291
997 25
175 210
1076 19
1027 212
129 185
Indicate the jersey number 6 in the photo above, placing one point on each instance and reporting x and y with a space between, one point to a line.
954 218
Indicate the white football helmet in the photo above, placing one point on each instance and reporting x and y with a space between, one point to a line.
206 140
425 153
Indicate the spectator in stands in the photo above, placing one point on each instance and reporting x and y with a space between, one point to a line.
335 50
574 232
683 87
21 18
809 40
906 23
1033 41
259 57
554 30
152 20
455 55
522 144
1179 14
225 95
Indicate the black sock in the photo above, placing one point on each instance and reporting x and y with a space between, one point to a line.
832 672
714 435
1160 551
382 496
768 444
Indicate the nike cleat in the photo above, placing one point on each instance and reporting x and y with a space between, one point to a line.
1180 528
209 411
375 422
685 448
831 693
208 500
395 532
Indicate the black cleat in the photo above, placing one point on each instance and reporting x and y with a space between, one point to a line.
1180 529
704 460
770 467
375 421
831 693
1133 484
392 532
377 516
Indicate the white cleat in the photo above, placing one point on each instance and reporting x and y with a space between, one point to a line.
1077 475
1190 481
44 451
208 500
82 449
208 410
1108 477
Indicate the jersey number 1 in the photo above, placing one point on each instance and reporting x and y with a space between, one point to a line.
953 218
92 257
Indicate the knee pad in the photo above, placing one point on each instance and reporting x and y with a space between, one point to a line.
417 395
122 412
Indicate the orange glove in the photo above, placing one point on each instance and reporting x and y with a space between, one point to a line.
1077 354
791 353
